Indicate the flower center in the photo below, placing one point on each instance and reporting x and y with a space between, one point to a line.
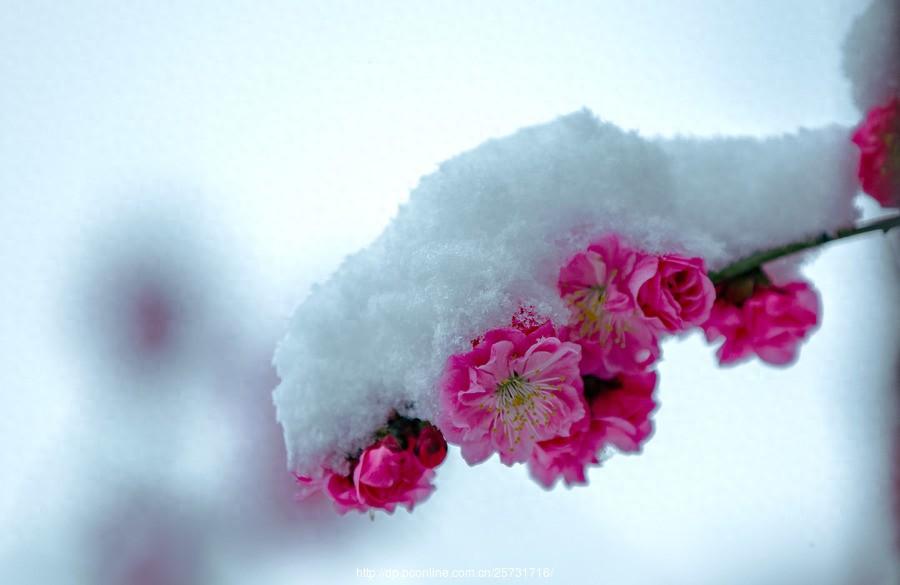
593 320
524 406
514 392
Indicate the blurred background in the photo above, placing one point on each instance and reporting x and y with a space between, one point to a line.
174 176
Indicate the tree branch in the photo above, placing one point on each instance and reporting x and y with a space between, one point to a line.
756 260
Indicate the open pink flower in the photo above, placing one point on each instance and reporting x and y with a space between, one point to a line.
510 391
771 323
619 416
601 287
680 295
878 139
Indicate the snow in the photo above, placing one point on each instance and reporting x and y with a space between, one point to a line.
488 232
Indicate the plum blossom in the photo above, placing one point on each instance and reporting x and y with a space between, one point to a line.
567 457
343 493
601 287
624 406
619 416
339 489
878 139
680 295
771 323
510 391
389 473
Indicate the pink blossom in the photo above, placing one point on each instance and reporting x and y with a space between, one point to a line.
771 323
636 350
510 391
343 493
601 287
619 416
878 139
567 457
385 475
339 489
680 295
623 406
388 475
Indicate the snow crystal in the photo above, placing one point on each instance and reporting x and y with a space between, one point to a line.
872 54
488 233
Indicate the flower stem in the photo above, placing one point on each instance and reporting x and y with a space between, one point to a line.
755 261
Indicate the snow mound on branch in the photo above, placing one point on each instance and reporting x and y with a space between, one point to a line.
872 54
488 233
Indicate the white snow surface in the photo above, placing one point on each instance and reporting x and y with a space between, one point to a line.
872 54
488 232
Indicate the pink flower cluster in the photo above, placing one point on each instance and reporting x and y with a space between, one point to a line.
395 470
878 139
557 397
622 300
618 415
771 322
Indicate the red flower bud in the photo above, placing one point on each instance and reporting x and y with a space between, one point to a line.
431 448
